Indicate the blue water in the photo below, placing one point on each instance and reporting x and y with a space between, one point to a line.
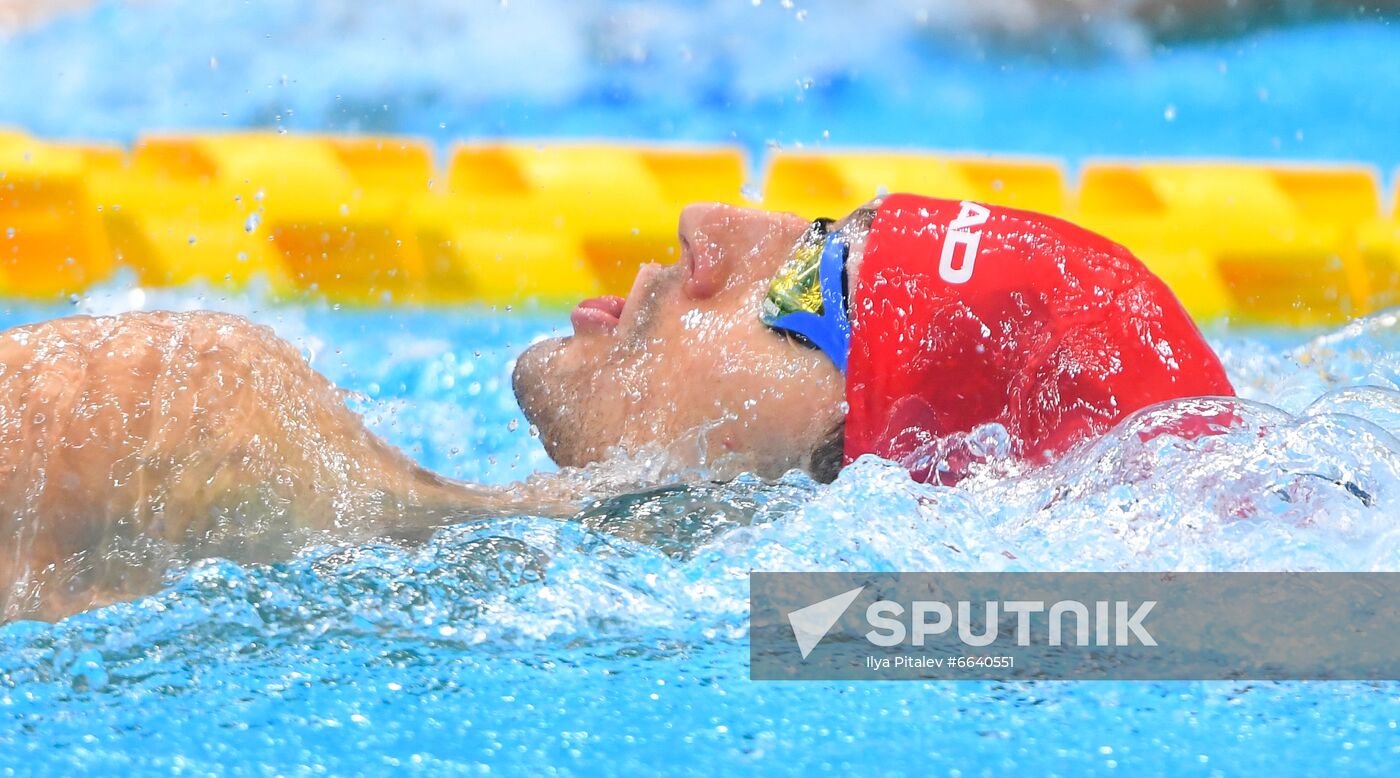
529 646
521 645
908 73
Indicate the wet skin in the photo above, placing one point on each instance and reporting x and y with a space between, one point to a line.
130 441
126 439
684 363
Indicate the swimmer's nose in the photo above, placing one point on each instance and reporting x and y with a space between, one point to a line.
713 237
700 253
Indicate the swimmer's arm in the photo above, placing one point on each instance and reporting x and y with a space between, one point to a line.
431 499
127 442
176 426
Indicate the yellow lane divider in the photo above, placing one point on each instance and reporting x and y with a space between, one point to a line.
836 183
561 221
1277 244
51 232
375 219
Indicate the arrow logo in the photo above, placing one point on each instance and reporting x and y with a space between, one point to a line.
810 624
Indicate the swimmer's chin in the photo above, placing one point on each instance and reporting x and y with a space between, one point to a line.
541 389
528 376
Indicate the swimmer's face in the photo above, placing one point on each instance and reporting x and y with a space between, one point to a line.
683 363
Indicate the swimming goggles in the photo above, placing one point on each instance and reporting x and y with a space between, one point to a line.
807 297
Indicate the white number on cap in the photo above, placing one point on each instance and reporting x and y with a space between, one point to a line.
961 244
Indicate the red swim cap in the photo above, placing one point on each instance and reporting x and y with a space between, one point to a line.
967 314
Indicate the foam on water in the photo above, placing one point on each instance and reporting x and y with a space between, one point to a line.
628 625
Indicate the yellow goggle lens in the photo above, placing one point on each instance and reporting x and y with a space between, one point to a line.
797 284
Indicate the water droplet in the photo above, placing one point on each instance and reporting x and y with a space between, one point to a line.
513 425
1170 113
193 240
251 223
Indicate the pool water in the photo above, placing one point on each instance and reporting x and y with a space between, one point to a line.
928 74
531 646
523 645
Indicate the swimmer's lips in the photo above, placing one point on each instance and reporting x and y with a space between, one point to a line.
598 315
601 315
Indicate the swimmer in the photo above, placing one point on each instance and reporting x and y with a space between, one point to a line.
895 331
773 343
